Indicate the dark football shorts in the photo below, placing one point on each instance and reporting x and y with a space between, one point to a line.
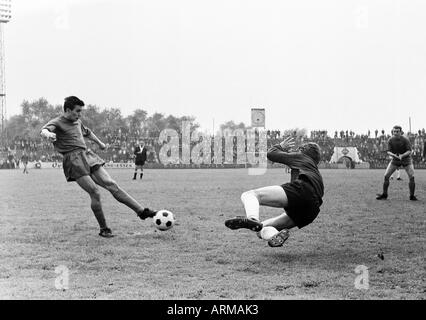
79 163
303 205
402 163
139 162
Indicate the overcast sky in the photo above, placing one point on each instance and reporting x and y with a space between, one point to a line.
311 64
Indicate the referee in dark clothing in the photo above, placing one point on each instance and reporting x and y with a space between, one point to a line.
140 153
424 151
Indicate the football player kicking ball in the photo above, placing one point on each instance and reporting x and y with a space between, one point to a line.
301 198
67 133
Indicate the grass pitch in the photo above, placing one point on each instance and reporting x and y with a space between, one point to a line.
46 223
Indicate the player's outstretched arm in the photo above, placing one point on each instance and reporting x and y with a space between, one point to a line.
51 136
393 155
95 139
277 154
405 154
287 143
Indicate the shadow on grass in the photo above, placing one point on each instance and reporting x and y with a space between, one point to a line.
332 259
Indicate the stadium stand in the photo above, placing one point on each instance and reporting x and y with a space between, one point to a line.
372 149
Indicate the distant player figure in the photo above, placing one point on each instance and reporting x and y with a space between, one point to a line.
301 198
287 169
67 133
140 153
24 161
398 175
424 151
399 148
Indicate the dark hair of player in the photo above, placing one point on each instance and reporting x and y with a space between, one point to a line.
71 102
397 128
312 150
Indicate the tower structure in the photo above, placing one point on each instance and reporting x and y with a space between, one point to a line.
5 16
258 118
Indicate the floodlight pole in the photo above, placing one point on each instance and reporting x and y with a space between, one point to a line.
5 16
2 83
409 124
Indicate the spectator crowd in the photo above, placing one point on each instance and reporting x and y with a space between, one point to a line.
371 146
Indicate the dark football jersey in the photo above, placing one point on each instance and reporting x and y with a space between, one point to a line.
69 135
300 162
399 145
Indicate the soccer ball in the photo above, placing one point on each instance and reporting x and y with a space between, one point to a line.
164 220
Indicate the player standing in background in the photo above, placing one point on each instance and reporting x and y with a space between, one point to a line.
399 148
140 153
397 173
301 198
424 151
24 160
67 133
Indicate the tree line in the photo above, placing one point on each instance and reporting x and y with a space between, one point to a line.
34 114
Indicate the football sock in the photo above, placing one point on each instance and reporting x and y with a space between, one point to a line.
134 175
268 232
412 186
96 207
251 205
386 186
141 175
